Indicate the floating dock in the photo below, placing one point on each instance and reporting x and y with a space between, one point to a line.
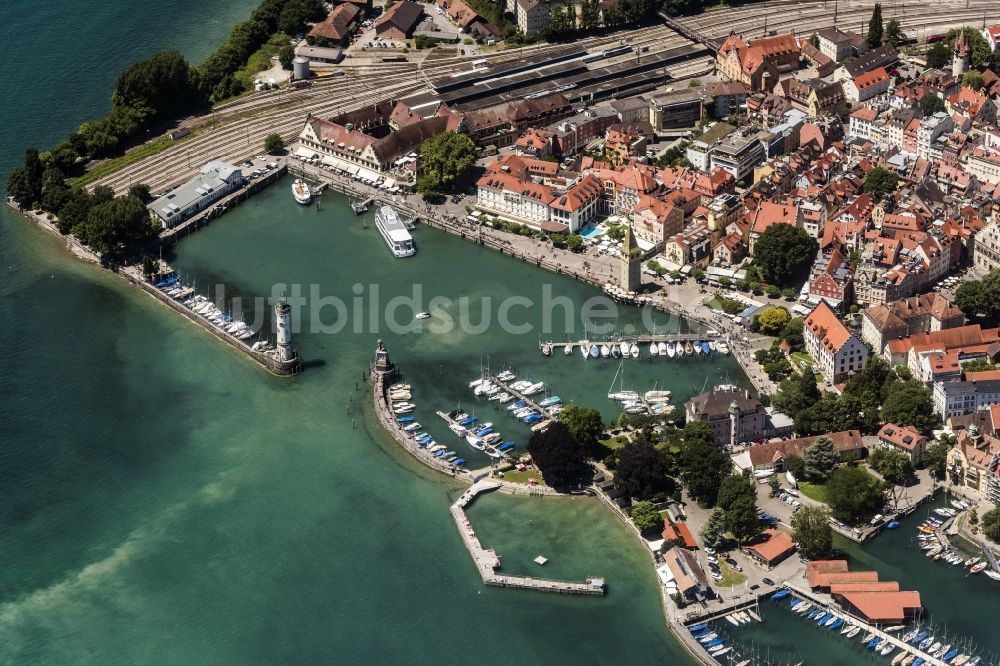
868 628
635 339
546 419
487 561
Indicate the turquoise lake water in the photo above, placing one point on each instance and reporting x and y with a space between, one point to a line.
166 501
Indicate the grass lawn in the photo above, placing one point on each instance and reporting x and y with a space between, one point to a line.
802 357
614 443
813 491
730 576
523 477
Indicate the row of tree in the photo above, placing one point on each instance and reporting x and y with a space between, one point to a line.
877 394
566 22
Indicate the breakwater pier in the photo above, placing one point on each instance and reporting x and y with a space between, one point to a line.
487 561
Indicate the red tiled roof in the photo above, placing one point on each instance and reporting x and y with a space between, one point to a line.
844 441
884 606
904 437
775 545
824 324
881 586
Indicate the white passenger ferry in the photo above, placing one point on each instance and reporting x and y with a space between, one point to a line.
394 232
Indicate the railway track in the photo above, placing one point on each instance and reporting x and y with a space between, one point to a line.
236 131
918 19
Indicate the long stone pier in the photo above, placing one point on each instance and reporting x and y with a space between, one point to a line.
487 561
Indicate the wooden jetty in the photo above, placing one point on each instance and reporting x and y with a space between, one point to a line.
867 628
528 402
644 339
487 561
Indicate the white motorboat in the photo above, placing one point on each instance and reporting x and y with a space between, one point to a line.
476 382
423 315
634 350
671 349
506 376
653 350
656 396
568 349
301 192
624 396
534 388
605 351
712 345
457 429
662 348
394 232
722 347
625 350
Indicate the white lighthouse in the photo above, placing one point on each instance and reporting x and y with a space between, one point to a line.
283 324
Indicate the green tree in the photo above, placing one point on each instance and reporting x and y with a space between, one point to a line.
978 365
732 488
286 54
17 187
641 471
74 211
973 79
981 50
853 494
273 143
742 521
892 465
814 40
646 518
820 459
773 320
938 56
715 527
893 32
141 192
55 192
796 394
584 424
991 524
935 458
875 29
909 403
558 456
775 484
703 467
931 104
880 181
112 225
447 158
792 333
785 254
796 466
811 530
830 414
590 15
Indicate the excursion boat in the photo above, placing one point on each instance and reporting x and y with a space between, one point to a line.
301 192
394 232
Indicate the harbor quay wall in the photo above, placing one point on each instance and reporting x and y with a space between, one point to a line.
487 561
273 365
226 203
268 362
674 623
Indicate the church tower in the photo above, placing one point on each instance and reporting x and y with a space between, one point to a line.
960 62
631 263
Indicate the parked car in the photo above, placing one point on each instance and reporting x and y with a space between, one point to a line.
755 586
767 581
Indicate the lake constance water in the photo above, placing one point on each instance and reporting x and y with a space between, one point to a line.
166 501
